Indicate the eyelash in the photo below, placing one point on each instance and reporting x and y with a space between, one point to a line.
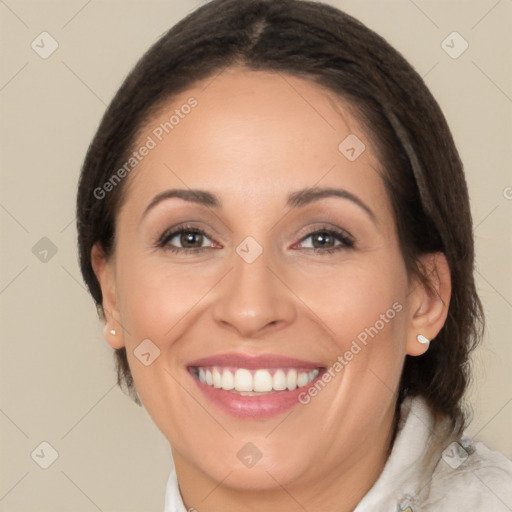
166 237
347 241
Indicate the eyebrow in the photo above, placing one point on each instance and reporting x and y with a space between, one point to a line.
309 195
297 199
194 196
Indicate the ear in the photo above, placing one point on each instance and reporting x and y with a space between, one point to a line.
104 270
428 304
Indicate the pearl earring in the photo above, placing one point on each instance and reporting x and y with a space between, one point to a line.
423 340
112 331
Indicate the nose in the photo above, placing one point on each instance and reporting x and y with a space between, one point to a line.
253 299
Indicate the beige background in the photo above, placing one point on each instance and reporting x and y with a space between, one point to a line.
57 380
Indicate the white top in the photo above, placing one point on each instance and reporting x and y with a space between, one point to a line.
466 476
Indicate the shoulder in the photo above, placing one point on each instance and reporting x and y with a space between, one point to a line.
470 476
427 472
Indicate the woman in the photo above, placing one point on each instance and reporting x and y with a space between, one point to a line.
285 267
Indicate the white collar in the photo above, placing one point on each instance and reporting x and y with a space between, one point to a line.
408 471
173 501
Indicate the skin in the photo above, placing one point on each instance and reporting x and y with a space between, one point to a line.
254 138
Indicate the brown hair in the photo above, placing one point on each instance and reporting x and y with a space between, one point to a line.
423 172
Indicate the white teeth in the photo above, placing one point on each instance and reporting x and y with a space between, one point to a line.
302 379
246 382
291 380
262 381
217 378
279 381
243 380
228 381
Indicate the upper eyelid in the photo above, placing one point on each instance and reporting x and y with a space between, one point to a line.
188 226
173 232
327 227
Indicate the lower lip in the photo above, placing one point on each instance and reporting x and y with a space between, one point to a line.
263 406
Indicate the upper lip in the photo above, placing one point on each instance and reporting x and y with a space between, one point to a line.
233 359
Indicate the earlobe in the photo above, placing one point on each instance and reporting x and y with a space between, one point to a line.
103 269
430 300
113 336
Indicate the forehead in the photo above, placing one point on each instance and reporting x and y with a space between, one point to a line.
250 133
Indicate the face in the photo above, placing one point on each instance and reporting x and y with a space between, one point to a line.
258 284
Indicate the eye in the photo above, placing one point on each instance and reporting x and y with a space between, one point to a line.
327 241
187 239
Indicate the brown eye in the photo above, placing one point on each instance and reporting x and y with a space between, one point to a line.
323 239
327 240
185 239
189 239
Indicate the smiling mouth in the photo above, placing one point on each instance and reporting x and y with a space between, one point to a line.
254 382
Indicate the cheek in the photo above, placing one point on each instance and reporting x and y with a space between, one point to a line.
363 307
359 300
157 302
155 296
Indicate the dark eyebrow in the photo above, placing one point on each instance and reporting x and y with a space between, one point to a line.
308 195
195 196
297 199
